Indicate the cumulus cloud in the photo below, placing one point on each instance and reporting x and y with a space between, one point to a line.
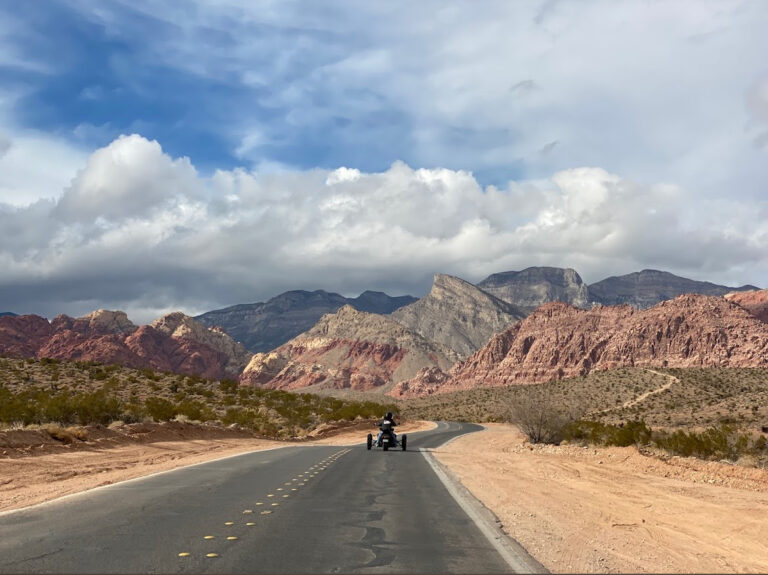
129 178
35 166
142 231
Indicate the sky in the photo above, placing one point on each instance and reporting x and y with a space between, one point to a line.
193 154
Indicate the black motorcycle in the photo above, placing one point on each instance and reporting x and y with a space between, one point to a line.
387 439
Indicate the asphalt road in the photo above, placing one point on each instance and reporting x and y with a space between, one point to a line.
310 509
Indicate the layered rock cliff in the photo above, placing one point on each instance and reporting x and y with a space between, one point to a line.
558 340
646 288
532 287
262 327
457 315
348 349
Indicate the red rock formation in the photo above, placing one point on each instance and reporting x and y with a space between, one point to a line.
109 337
558 341
755 302
348 349
22 336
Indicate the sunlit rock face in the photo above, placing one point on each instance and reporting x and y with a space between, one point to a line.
348 349
458 315
558 341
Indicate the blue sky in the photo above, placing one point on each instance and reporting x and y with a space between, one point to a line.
253 147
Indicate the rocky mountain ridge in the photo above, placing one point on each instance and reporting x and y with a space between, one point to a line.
348 349
173 343
558 341
534 286
264 326
458 315
646 288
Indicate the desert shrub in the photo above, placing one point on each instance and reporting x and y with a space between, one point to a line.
160 409
98 374
622 435
242 417
540 418
196 411
149 374
228 385
720 442
97 408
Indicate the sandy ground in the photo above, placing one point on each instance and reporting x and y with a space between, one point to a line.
615 510
34 468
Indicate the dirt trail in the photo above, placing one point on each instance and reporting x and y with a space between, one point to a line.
672 379
615 510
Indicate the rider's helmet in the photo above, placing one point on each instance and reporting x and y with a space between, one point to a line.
388 415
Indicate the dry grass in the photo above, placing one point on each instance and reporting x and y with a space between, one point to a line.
66 434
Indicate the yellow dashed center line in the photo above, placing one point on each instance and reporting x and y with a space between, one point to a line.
208 537
229 523
267 512
185 554
247 511
250 524
231 538
275 504
212 555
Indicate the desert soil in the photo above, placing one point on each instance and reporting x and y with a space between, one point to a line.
35 468
605 510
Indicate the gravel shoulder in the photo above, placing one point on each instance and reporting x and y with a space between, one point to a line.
35 468
579 510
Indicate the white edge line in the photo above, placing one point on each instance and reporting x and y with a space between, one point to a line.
140 478
519 560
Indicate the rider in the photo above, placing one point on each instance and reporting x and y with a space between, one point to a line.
388 423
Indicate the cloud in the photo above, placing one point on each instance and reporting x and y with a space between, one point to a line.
35 166
143 231
5 144
131 177
480 90
757 106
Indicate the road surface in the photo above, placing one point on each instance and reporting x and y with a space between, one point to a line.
306 509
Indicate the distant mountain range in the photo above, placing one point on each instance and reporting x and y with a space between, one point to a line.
461 316
265 326
555 326
7 314
647 288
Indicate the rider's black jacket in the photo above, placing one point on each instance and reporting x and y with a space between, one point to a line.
391 422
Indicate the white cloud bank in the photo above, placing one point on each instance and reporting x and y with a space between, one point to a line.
142 231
